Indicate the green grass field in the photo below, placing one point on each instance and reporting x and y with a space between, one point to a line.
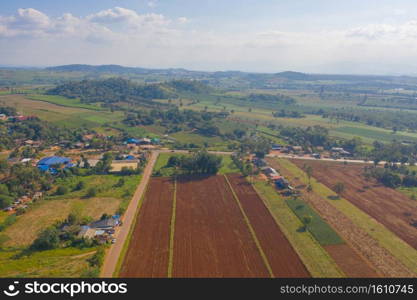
161 162
3 216
375 134
323 233
228 166
314 257
188 137
59 100
44 213
68 262
71 117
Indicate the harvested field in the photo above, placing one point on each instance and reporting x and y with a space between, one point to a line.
211 237
148 252
357 238
389 207
282 258
349 261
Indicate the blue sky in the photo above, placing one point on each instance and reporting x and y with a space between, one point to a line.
320 36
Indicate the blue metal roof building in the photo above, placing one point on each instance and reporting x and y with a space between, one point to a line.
132 141
45 164
54 160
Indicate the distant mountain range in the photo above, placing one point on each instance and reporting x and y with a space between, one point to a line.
289 75
230 80
115 69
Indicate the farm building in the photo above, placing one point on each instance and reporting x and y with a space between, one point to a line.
297 149
142 141
87 232
47 163
340 151
106 224
316 155
268 171
276 147
145 141
132 141
32 143
155 141
281 183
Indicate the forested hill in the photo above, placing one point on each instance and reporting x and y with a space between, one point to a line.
117 69
121 90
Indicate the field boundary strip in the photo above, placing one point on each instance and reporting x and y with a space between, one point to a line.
172 232
129 236
252 231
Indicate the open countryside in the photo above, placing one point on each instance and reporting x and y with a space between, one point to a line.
220 140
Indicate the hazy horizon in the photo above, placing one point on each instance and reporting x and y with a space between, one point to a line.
377 37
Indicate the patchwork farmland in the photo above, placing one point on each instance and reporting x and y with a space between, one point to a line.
219 228
370 249
388 206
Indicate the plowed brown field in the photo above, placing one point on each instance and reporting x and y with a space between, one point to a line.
148 251
391 208
282 258
349 261
211 237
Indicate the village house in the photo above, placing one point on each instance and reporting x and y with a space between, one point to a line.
106 224
296 149
34 144
276 147
340 151
270 172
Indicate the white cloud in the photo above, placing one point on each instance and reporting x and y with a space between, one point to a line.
183 20
114 15
25 21
154 40
108 24
386 32
29 18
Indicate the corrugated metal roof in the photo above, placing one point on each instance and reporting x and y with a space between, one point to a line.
54 160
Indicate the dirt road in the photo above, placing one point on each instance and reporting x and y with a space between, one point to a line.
112 255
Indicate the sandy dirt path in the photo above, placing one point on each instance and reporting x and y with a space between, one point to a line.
113 253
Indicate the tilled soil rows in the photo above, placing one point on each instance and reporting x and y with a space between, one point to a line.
148 252
282 258
211 237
